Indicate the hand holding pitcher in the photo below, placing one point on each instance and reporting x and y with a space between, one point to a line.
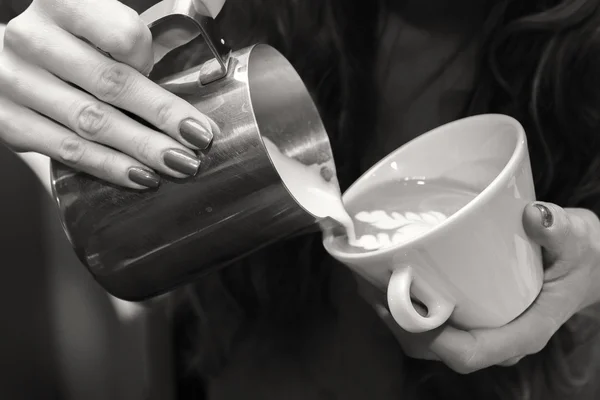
69 76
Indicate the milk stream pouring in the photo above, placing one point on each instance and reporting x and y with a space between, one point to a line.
315 187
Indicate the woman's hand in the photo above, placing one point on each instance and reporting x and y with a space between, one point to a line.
571 242
61 97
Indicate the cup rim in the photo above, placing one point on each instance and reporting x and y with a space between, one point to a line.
483 197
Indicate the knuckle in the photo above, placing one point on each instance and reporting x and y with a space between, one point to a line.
12 141
145 36
143 146
578 226
16 32
112 82
71 150
577 236
8 73
583 247
539 343
121 42
67 5
510 363
23 36
91 120
10 132
132 34
564 228
592 220
164 114
536 343
108 164
468 361
463 369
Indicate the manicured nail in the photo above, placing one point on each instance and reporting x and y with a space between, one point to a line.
181 161
547 217
144 177
196 134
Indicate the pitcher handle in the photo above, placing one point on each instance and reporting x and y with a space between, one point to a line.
174 23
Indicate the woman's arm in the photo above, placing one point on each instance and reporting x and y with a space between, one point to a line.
38 163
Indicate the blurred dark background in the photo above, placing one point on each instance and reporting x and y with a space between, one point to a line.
62 337
27 361
27 365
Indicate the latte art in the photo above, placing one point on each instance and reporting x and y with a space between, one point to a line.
391 214
398 212
395 227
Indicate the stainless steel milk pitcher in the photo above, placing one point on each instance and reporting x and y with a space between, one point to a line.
142 244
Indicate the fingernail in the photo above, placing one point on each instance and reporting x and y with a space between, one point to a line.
181 161
547 217
195 133
144 177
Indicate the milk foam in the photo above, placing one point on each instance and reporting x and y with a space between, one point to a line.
402 227
399 211
317 195
322 198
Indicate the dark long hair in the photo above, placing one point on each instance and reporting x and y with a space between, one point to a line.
541 65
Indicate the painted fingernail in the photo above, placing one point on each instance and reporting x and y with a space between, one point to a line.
195 133
181 161
547 217
144 177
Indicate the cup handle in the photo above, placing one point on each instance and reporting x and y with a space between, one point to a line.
401 284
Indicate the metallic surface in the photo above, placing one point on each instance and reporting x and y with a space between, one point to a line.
176 22
141 244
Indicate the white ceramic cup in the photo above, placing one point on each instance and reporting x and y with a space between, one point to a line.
478 268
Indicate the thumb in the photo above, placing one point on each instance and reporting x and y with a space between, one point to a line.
209 8
549 226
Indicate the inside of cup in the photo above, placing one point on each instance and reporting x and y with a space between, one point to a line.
471 152
477 153
291 128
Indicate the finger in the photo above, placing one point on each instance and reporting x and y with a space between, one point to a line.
92 119
109 25
115 83
24 130
469 351
511 362
209 8
551 227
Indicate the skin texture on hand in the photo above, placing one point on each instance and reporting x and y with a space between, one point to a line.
570 239
38 163
92 58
